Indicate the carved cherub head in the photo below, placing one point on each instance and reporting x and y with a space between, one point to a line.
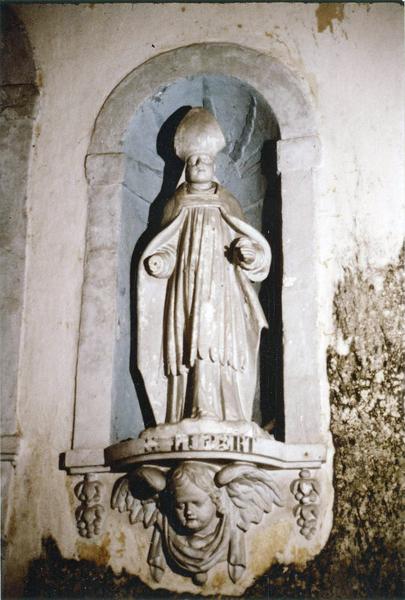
211 506
197 500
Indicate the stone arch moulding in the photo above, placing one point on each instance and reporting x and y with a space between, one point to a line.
298 154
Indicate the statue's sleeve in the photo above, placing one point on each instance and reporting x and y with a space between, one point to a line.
151 294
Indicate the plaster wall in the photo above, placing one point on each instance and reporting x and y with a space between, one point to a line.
350 60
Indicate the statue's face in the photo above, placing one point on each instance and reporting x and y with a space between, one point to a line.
199 168
194 508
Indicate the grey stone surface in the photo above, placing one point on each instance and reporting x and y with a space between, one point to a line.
300 309
262 72
241 112
98 327
298 154
126 417
104 169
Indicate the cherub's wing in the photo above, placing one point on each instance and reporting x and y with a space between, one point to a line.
144 510
252 491
123 501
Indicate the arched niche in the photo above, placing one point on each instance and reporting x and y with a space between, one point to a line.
151 176
124 183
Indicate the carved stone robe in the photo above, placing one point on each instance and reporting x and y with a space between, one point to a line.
200 322
196 553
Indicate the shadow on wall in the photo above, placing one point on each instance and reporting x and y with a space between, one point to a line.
271 347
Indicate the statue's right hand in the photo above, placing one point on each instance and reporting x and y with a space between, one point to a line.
159 264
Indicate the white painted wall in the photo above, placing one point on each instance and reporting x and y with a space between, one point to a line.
354 69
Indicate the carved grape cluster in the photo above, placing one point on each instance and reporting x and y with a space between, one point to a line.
89 515
306 491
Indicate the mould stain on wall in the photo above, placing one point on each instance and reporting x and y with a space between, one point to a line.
97 552
362 557
326 13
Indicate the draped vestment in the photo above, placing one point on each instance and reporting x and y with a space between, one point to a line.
203 319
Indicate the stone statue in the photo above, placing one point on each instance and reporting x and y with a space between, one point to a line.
199 318
204 474
199 512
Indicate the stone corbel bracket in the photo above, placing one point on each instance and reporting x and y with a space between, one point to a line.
210 505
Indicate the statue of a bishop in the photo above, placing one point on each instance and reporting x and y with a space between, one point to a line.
199 317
